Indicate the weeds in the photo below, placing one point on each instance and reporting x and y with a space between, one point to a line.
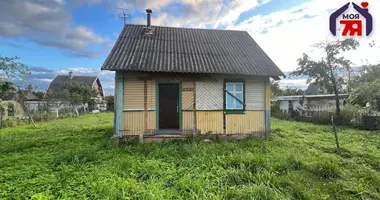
75 159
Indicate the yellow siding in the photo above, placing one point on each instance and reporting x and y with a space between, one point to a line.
210 121
134 121
187 120
251 121
187 95
134 93
151 95
187 100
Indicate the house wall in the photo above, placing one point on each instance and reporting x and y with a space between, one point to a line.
139 118
18 110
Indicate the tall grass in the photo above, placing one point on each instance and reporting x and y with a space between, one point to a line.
74 158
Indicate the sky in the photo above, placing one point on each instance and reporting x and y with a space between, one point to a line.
57 36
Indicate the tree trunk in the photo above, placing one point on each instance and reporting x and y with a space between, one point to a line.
337 104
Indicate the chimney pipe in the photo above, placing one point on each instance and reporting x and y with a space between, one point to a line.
148 14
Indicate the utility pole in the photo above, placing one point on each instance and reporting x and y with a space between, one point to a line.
123 15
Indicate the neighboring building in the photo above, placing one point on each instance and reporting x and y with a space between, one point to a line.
183 80
12 107
309 102
32 102
92 81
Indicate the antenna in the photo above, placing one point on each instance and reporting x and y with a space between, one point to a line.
123 15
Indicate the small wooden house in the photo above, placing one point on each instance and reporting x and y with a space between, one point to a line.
185 81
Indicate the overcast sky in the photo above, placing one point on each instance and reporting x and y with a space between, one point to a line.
57 36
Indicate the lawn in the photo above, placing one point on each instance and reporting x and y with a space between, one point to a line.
74 158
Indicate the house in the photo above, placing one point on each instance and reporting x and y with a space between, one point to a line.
32 101
12 105
306 103
10 109
56 87
186 81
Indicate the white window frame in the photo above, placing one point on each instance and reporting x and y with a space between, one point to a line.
234 92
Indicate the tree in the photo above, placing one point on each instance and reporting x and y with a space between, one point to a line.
292 92
13 69
79 94
368 92
275 88
367 73
7 89
329 70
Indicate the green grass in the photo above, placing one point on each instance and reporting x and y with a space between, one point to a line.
75 159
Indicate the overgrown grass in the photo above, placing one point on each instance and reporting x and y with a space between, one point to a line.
75 158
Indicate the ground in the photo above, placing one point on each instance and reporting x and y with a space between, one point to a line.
75 158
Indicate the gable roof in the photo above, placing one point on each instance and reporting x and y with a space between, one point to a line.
58 80
186 50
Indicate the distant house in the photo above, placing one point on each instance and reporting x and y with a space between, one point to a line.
309 102
56 86
183 80
13 108
32 101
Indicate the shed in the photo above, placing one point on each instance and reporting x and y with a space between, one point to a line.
190 81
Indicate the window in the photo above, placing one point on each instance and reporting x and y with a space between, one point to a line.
11 110
234 96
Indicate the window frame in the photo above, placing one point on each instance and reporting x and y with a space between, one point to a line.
233 111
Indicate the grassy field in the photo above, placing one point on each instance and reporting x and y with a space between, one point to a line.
74 158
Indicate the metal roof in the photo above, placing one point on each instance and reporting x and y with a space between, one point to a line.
187 50
297 97
60 79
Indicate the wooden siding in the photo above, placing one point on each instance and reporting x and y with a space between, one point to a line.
209 103
210 122
254 94
187 120
267 97
250 122
134 121
187 95
134 93
209 94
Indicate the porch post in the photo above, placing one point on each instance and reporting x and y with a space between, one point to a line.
118 113
267 107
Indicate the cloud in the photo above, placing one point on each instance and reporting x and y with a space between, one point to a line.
40 69
190 13
303 26
84 54
47 23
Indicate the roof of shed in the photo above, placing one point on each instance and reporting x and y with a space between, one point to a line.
297 97
186 50
60 79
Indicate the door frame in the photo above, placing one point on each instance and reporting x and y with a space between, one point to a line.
158 82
